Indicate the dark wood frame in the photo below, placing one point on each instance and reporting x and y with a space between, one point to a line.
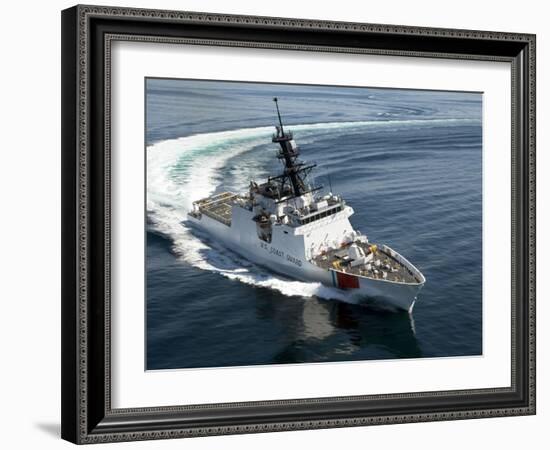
87 32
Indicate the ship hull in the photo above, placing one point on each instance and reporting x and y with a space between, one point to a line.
279 258
386 293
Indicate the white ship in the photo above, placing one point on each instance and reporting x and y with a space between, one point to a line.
286 225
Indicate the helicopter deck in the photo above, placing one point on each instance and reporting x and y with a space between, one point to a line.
217 207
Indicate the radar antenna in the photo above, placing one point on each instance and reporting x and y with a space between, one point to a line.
279 114
294 171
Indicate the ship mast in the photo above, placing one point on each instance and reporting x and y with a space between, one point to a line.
294 170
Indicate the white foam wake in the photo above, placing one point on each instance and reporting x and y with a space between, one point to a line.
180 171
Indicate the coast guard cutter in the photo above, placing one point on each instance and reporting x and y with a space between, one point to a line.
288 226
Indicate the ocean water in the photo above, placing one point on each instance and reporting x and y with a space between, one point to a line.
409 162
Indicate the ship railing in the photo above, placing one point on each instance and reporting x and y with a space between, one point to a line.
404 262
222 196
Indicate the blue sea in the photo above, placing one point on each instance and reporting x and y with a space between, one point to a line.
409 162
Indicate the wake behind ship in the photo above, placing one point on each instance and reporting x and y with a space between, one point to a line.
288 226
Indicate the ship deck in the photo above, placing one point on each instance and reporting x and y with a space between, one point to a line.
217 207
394 270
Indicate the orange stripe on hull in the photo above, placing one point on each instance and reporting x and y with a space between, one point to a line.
347 281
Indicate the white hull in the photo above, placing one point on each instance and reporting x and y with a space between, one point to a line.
285 255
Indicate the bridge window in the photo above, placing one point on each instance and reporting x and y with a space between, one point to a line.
321 215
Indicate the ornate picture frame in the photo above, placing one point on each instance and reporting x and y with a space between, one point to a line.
88 33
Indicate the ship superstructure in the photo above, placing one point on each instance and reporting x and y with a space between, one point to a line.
287 225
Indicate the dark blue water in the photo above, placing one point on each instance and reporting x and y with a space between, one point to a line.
408 162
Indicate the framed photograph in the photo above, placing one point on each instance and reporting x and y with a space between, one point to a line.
277 224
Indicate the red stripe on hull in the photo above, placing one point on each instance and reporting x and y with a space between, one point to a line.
346 281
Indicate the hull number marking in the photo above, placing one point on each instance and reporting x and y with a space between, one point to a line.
275 251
